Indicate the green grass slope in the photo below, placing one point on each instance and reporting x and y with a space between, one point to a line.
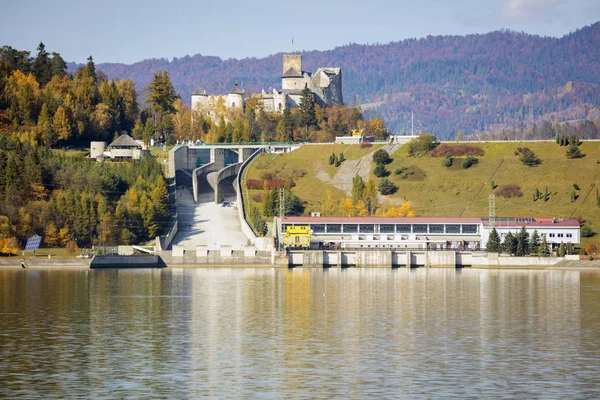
435 190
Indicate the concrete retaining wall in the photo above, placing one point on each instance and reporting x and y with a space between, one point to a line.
217 257
493 260
246 230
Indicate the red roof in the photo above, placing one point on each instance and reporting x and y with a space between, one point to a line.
537 222
381 220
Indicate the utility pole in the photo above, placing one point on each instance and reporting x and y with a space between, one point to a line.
492 210
281 214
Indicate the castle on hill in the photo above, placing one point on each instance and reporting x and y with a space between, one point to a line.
325 84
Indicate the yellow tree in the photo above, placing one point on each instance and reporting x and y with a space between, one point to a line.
51 235
61 125
347 207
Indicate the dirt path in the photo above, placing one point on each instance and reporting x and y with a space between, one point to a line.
350 168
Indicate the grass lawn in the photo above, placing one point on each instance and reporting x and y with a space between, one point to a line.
301 166
436 190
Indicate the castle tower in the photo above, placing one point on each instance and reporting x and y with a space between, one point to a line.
235 98
199 98
292 61
292 78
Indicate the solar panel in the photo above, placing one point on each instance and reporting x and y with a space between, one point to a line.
33 243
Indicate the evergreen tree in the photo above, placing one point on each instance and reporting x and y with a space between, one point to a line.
573 150
562 250
510 243
41 67
58 66
90 69
308 116
522 243
493 244
534 243
381 157
386 187
380 171
284 128
543 249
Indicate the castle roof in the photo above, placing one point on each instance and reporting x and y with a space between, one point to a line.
199 92
291 73
124 141
236 89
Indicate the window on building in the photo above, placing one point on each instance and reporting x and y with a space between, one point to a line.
386 228
403 228
560 235
350 228
436 228
334 228
367 228
469 229
317 228
569 235
551 235
452 228
419 228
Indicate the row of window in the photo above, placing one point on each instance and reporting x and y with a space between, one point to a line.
560 235
395 228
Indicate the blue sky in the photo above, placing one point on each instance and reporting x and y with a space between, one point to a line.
126 31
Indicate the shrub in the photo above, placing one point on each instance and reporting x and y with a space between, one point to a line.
398 171
508 191
257 197
445 150
573 151
381 157
448 161
341 157
332 159
530 159
387 187
469 161
575 186
380 171
259 184
364 145
591 249
422 144
586 231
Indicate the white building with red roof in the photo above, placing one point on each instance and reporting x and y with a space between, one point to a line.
461 233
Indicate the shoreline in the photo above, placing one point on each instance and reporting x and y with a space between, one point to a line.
64 264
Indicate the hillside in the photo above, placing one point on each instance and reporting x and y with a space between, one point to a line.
435 190
467 83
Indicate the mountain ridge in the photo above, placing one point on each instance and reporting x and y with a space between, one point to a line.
472 83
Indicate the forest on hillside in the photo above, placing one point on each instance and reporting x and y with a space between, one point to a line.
472 84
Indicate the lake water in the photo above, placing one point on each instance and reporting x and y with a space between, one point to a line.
274 333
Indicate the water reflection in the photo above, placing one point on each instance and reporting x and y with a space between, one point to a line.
299 333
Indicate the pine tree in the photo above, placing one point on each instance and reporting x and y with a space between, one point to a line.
284 128
90 69
562 250
510 243
308 116
41 67
534 243
522 242
493 244
543 249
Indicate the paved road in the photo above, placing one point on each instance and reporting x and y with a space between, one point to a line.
207 223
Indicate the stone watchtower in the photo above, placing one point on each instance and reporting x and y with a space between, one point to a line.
235 98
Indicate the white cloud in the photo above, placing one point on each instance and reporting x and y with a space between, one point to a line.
531 9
